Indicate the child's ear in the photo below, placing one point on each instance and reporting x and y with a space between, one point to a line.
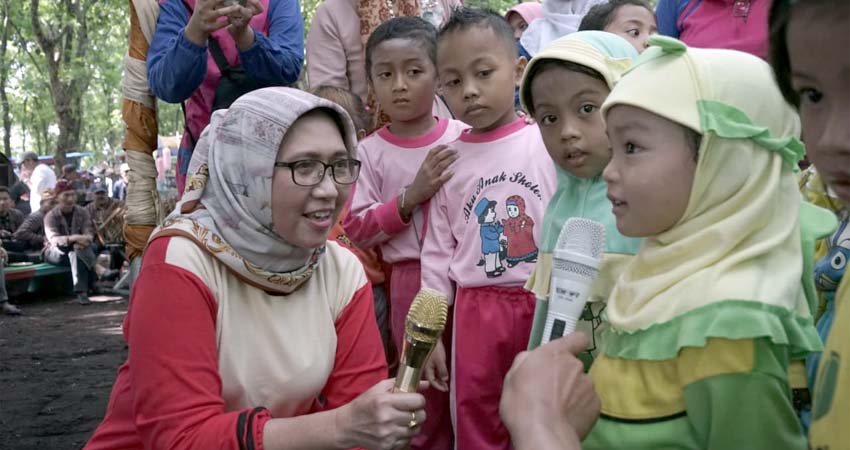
521 62
361 133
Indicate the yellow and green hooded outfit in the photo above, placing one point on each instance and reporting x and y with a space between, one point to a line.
707 317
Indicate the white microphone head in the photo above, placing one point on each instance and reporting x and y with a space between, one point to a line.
583 237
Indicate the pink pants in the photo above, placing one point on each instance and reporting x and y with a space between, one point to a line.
492 326
437 430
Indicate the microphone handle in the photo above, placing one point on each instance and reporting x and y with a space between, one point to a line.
568 293
407 379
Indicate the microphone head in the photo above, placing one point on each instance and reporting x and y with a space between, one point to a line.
427 316
583 237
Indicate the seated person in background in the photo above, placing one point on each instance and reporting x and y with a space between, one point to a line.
31 232
108 220
69 233
20 193
69 172
5 307
634 20
10 218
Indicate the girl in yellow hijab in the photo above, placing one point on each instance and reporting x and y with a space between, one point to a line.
706 318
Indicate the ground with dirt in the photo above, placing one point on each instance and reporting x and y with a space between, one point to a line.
57 365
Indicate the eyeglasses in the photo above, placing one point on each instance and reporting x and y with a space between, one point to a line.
310 172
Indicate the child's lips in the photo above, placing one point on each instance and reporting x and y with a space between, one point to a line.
575 158
474 110
617 204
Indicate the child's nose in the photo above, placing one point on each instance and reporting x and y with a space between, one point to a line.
470 90
609 174
399 83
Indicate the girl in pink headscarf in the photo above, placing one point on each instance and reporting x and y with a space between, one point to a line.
523 14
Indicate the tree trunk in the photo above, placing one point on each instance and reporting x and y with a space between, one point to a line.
4 75
63 49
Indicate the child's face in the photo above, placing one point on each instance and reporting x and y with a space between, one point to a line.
635 23
513 211
821 75
518 24
404 79
651 171
566 106
478 76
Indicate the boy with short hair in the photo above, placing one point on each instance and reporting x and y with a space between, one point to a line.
483 229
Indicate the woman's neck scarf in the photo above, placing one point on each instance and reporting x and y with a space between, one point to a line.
226 208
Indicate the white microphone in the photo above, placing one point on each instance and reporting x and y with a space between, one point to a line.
575 264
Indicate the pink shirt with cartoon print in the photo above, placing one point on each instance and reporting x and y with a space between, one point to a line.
465 241
390 163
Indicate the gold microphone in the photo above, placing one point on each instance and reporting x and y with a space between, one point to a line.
425 323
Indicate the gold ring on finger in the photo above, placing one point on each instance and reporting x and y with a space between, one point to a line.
413 423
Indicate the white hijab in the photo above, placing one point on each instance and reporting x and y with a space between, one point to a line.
560 18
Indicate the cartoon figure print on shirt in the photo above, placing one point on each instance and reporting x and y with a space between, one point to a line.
830 269
492 237
519 232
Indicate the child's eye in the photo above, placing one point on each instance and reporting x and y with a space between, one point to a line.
808 95
485 73
633 32
587 108
413 72
631 148
548 119
384 75
451 83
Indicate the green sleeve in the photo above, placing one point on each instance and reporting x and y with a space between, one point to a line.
747 410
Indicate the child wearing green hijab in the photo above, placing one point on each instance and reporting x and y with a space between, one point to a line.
563 89
706 319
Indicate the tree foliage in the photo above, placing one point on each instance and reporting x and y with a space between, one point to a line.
61 69
63 64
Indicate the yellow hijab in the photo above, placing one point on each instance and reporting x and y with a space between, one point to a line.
732 265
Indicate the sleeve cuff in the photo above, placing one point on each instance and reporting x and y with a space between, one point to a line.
254 48
251 427
188 47
389 218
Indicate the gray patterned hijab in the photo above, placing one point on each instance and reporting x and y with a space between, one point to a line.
226 206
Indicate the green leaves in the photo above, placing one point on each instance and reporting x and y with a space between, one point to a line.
64 63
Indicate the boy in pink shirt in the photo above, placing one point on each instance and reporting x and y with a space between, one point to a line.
403 165
484 224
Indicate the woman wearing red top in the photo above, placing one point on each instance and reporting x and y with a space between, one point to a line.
247 329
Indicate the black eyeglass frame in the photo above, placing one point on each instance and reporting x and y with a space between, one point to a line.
291 166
